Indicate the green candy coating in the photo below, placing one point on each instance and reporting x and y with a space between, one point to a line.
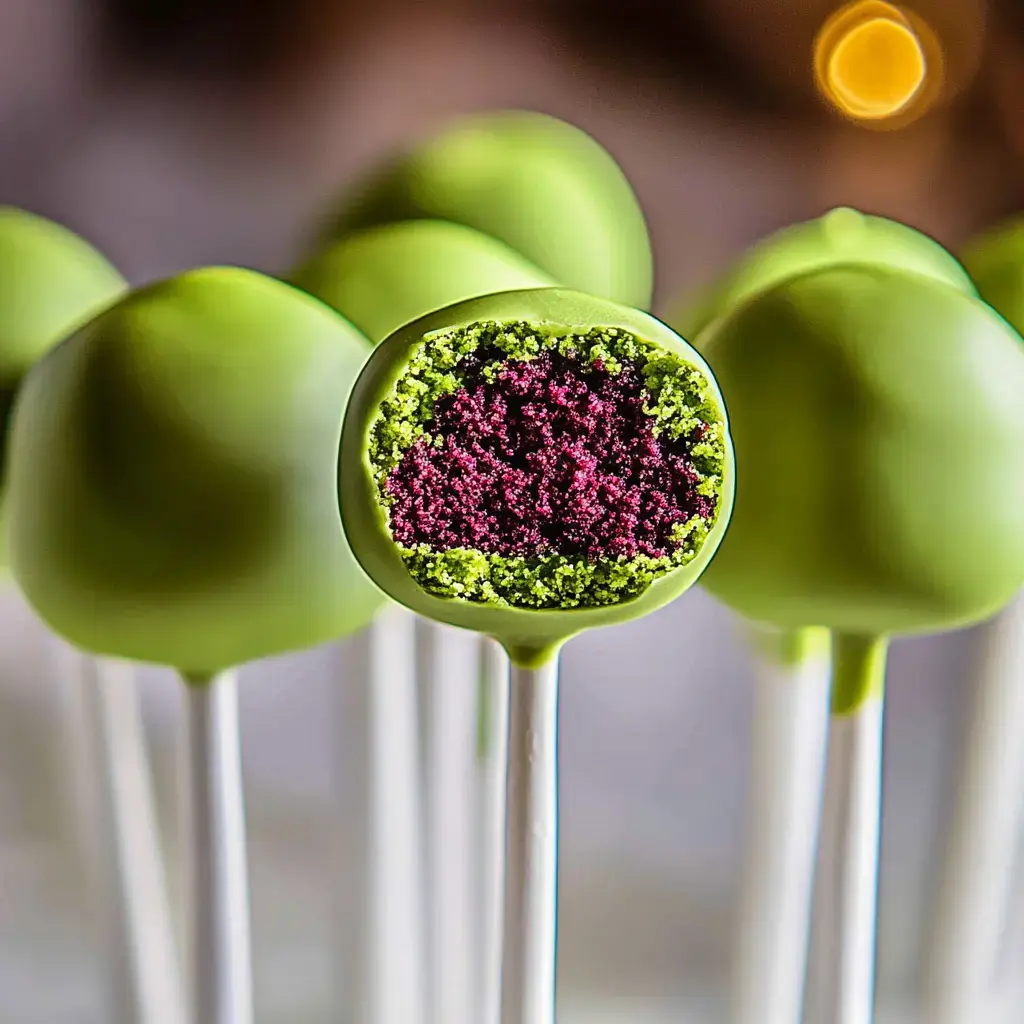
173 471
541 186
50 281
385 277
995 261
842 236
879 438
530 636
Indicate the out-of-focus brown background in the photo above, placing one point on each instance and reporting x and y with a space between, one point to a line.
174 133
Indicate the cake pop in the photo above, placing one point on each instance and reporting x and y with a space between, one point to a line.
529 465
863 401
387 276
173 500
51 281
541 186
791 684
978 870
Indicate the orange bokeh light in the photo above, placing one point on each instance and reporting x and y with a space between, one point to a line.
872 61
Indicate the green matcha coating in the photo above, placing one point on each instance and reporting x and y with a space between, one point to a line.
879 436
543 187
173 476
842 236
680 402
995 261
385 277
530 635
50 282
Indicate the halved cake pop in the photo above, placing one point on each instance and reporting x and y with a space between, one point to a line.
865 402
984 832
173 499
530 465
544 188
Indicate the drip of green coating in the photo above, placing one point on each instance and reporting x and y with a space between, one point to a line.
679 402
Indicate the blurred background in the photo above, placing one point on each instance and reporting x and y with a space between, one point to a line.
174 133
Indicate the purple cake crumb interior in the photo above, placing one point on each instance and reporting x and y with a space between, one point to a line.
552 456
539 467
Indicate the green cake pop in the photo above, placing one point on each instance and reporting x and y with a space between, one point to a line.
171 471
384 277
995 261
977 871
872 411
529 465
533 600
843 236
878 431
50 281
543 187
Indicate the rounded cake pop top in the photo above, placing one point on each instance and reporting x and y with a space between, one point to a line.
541 186
50 281
879 435
173 473
533 464
842 236
995 261
385 277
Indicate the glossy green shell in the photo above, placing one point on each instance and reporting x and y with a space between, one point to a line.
385 277
50 282
543 187
173 474
530 636
841 236
878 428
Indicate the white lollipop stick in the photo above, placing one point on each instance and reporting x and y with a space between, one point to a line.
790 724
531 848
451 731
219 946
145 949
381 919
108 770
985 832
489 827
841 969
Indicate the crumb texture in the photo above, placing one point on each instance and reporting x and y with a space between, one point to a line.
541 469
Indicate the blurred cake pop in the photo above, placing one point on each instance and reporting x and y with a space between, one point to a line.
984 831
50 281
385 277
541 186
